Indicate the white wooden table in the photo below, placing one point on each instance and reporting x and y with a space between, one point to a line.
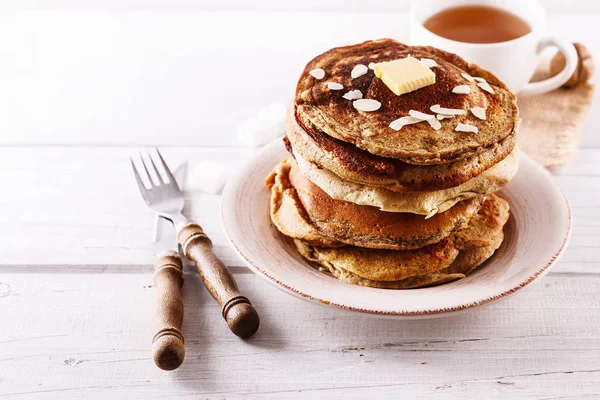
81 89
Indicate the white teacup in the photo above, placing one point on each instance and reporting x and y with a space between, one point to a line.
513 61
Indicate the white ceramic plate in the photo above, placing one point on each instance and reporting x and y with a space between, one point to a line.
535 236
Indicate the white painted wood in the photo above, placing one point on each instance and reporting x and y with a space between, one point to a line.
337 6
174 76
75 295
89 336
69 213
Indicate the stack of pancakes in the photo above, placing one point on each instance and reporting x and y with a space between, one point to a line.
388 208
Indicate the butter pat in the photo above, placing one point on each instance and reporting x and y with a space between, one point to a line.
404 75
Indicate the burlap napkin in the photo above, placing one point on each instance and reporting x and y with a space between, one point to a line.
551 122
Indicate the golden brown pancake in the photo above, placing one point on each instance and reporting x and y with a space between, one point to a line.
451 259
301 210
424 203
465 262
328 112
386 265
359 166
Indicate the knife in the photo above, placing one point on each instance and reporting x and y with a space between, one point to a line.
168 348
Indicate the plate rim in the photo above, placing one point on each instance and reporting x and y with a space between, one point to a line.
401 313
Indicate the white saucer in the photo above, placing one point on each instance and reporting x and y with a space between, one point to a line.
535 237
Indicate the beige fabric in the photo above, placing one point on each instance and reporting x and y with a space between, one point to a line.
551 123
424 203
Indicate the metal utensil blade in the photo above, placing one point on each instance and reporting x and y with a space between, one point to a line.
164 238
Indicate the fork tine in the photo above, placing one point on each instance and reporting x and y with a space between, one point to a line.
144 163
138 178
156 171
166 168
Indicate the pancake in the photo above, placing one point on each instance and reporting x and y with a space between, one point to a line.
449 260
424 203
355 165
464 263
301 210
316 105
412 268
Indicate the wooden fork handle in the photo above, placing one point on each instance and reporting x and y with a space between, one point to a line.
236 309
167 344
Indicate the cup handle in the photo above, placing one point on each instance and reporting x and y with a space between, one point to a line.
556 81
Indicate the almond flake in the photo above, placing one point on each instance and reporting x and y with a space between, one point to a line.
443 116
400 122
467 77
429 63
367 105
420 115
431 214
462 89
317 73
486 86
335 86
446 111
466 128
435 124
358 71
479 112
478 79
353 95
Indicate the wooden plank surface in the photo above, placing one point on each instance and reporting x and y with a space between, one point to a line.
336 6
173 77
88 335
82 90
82 208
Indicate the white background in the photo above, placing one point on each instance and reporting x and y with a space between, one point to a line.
177 72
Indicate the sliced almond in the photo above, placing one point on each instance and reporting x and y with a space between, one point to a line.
358 71
353 95
462 89
334 86
467 77
486 86
466 128
443 116
428 62
400 122
367 105
420 115
317 73
446 111
479 79
435 124
479 112
431 214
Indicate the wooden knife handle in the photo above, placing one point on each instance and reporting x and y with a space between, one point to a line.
167 344
236 309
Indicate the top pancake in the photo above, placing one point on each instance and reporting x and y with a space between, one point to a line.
419 143
359 166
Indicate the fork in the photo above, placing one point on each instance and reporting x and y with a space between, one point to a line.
166 199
